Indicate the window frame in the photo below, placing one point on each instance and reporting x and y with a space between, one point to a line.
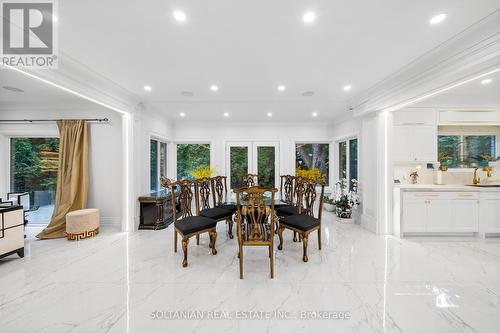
331 152
464 134
347 139
159 140
189 142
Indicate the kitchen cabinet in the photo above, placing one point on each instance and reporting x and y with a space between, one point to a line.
415 143
489 213
441 212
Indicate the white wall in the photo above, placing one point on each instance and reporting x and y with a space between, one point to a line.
105 154
286 134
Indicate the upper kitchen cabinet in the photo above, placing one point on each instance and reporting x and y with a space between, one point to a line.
415 136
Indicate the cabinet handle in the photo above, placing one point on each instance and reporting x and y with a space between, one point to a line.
426 195
465 195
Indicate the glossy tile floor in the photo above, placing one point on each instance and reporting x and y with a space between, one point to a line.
120 282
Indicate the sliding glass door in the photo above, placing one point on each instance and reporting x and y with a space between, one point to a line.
33 170
256 157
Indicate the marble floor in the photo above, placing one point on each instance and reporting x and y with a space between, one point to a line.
359 282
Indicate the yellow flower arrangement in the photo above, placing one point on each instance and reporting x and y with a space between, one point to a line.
313 174
203 172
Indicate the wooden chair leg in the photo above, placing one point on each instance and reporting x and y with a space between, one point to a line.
280 236
175 241
213 238
295 236
271 260
305 240
230 225
197 239
319 239
185 242
241 262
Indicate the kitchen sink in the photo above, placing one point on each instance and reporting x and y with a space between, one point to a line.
485 185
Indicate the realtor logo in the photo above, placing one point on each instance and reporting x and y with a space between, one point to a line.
28 34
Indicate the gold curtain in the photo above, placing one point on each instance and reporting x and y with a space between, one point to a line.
72 175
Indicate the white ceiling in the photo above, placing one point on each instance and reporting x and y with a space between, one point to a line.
472 95
247 48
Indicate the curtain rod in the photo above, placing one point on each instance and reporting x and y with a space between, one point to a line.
99 120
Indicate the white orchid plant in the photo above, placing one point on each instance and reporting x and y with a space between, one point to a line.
343 198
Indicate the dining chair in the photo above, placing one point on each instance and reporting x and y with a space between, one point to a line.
203 195
286 191
296 200
186 224
305 221
220 194
255 220
249 180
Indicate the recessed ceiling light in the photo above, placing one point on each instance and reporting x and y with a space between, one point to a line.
309 17
179 15
226 114
13 89
213 87
437 18
487 81
314 114
187 93
347 87
281 87
182 114
308 93
147 88
54 18
269 114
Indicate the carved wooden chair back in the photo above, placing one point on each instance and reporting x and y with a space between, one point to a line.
310 195
255 218
185 190
219 189
249 180
203 193
286 189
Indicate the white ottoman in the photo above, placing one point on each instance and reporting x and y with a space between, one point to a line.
82 223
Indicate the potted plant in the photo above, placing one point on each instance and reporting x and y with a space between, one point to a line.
345 200
443 161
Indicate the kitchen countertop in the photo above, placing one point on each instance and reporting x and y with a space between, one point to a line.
443 188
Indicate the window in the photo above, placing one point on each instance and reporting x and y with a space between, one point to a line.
266 166
191 157
33 169
466 151
348 160
157 162
313 155
238 164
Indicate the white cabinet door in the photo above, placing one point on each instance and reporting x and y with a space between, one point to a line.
492 216
424 143
439 216
465 215
414 215
402 146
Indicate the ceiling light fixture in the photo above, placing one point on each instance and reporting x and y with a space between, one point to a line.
226 114
269 114
182 114
147 88
487 81
309 17
281 88
347 87
314 114
437 19
179 16
213 87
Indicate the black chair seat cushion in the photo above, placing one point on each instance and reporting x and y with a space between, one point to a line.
216 213
191 224
287 210
301 222
229 207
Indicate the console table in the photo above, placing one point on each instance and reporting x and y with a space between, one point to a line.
156 211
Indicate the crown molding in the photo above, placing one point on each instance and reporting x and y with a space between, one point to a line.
474 51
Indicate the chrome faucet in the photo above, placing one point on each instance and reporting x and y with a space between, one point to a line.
475 179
